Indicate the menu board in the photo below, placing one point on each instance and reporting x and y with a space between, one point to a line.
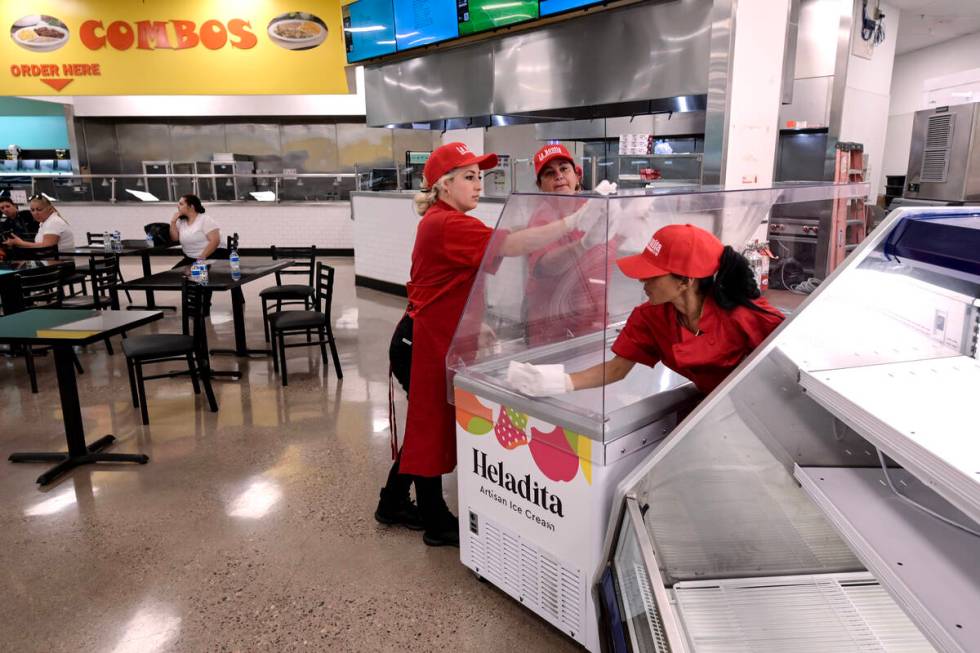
551 7
481 15
424 22
369 29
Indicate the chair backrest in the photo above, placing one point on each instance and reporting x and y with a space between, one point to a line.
33 253
93 238
324 288
305 262
41 287
195 301
104 272
233 242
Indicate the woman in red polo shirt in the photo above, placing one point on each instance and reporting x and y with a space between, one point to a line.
704 317
449 247
563 299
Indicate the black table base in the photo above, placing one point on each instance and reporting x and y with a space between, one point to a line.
67 462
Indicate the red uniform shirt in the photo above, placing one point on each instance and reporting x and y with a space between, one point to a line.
654 334
449 246
570 302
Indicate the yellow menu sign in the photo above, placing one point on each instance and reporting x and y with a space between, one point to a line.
180 47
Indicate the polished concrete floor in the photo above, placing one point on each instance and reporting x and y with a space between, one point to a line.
251 529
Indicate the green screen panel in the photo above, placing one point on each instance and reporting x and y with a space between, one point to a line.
482 15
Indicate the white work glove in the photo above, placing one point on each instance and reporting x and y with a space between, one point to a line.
539 380
596 235
605 187
586 216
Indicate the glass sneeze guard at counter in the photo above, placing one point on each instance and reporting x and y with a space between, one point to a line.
566 302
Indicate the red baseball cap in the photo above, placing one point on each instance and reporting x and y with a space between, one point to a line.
549 153
451 156
680 249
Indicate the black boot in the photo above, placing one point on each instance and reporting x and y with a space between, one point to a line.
395 507
441 526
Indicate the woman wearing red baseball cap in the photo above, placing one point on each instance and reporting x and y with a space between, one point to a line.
449 247
704 316
560 299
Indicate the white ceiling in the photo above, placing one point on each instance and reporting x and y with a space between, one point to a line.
928 22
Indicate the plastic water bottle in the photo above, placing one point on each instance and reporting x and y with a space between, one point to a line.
116 241
196 273
106 241
149 239
235 264
204 272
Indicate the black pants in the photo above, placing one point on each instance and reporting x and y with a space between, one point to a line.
428 491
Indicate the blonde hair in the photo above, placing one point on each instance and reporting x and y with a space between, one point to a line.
46 203
426 197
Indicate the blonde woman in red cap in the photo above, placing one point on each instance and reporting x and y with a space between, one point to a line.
449 247
561 300
704 317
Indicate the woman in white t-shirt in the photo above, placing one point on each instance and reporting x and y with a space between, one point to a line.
54 229
198 234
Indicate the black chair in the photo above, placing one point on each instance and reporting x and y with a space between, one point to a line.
287 323
232 242
98 240
33 253
104 272
41 288
285 294
190 345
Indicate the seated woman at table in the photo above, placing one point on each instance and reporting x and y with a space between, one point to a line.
53 230
198 234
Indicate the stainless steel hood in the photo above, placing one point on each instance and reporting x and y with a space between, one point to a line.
643 58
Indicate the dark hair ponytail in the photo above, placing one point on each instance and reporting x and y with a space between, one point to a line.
733 284
194 202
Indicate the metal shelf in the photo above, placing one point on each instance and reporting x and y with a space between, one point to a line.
922 414
814 613
929 567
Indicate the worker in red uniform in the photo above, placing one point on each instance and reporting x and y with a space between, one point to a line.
449 247
562 297
704 317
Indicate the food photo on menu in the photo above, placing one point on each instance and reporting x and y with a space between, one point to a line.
39 33
297 30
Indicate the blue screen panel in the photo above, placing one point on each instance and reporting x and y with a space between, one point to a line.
549 7
369 29
424 22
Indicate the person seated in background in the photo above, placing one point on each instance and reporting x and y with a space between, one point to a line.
14 221
53 230
199 235
704 316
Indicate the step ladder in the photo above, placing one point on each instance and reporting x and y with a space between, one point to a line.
849 221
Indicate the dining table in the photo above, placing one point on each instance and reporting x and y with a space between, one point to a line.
134 247
62 330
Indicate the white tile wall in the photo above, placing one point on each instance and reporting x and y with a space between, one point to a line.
384 234
326 225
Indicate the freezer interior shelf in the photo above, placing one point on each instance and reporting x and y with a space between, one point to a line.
818 613
930 567
921 413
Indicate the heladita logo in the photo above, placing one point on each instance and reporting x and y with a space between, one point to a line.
654 247
462 150
548 152
524 487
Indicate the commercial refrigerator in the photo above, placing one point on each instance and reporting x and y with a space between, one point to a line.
536 476
826 496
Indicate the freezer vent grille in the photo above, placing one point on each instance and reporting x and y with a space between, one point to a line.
654 620
530 575
935 155
803 614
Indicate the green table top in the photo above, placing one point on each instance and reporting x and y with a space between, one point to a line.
57 325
